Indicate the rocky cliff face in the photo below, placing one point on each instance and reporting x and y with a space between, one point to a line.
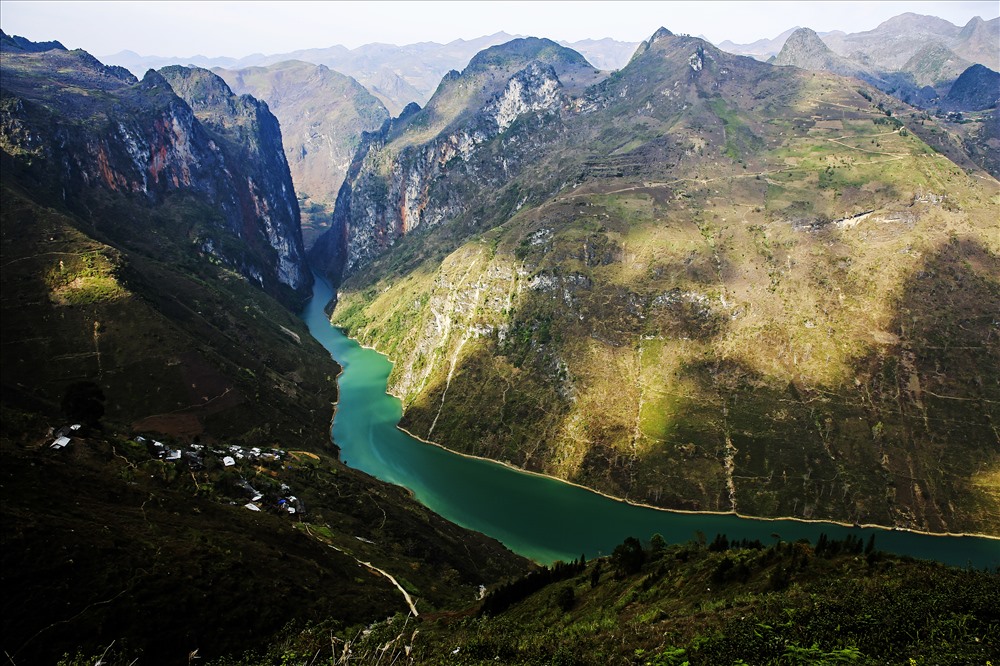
418 170
322 115
83 128
251 137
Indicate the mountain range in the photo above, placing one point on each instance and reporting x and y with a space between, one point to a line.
930 49
700 281
152 272
703 282
318 96
397 75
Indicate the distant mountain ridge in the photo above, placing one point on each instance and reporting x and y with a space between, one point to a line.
15 43
896 40
762 49
397 75
913 57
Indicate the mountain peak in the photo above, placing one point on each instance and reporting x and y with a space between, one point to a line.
910 22
975 24
805 39
805 49
197 83
16 43
975 90
660 33
524 50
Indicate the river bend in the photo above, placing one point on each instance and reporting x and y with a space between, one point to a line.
536 516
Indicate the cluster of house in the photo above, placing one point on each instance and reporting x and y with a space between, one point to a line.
194 456
64 435
287 503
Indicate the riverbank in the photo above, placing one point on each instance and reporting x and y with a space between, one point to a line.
653 507
735 514
546 518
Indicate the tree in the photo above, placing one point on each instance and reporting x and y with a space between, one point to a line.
719 544
628 557
595 575
657 544
566 597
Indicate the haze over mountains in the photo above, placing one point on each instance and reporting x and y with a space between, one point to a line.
929 48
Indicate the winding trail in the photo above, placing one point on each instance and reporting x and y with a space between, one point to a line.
374 569
406 595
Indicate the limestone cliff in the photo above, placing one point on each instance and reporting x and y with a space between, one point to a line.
419 169
250 135
322 115
82 128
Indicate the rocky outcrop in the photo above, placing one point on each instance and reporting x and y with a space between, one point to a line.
398 185
100 130
977 89
322 115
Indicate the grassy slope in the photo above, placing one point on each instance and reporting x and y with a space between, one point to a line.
102 522
697 330
688 604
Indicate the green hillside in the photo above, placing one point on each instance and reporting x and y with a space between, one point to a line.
755 289
657 605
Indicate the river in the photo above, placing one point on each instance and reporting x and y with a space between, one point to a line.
536 516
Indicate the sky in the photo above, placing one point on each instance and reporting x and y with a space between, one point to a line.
236 29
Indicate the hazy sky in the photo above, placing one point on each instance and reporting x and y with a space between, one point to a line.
237 29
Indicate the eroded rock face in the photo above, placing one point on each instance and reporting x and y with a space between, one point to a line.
322 115
386 196
249 132
140 139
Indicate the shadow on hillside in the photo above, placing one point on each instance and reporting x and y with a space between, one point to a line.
899 446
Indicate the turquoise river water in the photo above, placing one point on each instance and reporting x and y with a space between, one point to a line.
536 516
